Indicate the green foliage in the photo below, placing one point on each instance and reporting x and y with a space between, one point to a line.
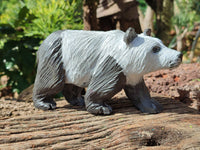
17 57
23 25
188 13
9 11
54 15
142 5
196 80
172 42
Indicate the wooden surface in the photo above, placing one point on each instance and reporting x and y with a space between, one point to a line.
68 127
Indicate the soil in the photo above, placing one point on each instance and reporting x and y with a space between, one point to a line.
182 83
72 127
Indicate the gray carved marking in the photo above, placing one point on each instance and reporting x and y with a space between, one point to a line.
140 97
130 35
147 32
50 74
104 84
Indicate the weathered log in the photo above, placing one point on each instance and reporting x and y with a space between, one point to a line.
70 127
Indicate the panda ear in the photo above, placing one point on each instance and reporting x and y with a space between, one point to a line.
147 32
130 35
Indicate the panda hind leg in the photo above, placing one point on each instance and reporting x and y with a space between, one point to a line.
73 94
46 103
44 92
50 76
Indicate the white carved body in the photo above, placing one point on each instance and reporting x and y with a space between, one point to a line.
83 51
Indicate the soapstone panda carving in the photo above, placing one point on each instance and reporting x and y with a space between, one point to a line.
105 63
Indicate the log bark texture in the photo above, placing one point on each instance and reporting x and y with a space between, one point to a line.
69 127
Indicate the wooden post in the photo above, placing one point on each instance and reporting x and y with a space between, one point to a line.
89 14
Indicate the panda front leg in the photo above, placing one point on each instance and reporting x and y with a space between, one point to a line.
73 94
106 82
140 97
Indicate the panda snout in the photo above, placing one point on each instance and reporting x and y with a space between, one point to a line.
176 62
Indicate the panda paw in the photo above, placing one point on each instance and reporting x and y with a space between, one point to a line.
50 105
98 109
150 106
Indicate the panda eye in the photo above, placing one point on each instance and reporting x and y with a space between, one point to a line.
156 49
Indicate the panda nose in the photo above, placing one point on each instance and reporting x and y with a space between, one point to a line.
180 56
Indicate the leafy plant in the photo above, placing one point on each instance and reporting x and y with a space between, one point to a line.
9 11
18 59
23 25
142 5
186 14
54 15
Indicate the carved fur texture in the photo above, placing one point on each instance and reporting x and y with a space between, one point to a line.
105 62
50 73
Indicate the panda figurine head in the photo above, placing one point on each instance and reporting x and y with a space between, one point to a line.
149 53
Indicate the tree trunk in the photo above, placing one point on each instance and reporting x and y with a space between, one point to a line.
141 18
118 14
179 38
89 14
194 43
147 20
164 20
179 41
164 12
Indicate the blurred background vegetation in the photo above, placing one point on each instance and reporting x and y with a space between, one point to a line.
24 24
